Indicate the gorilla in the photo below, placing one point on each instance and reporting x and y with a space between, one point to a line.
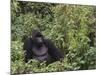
42 49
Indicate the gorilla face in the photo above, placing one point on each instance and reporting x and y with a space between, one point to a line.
37 38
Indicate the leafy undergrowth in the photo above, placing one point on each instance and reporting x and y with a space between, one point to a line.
72 28
69 63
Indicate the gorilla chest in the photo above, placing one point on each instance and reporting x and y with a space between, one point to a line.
41 53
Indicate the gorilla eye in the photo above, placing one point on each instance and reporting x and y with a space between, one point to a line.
39 35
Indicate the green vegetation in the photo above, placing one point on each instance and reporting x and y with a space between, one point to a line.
71 27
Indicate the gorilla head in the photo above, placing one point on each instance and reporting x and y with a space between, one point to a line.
37 38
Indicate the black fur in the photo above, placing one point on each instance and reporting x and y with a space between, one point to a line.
37 45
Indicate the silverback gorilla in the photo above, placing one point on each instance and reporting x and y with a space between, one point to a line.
39 48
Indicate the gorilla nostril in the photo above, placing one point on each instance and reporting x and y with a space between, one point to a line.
40 44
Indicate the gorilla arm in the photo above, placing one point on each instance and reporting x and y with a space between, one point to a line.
54 52
28 49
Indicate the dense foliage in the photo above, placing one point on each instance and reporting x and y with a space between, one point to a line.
71 27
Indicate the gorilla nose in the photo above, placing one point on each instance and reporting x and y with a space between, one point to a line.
40 44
